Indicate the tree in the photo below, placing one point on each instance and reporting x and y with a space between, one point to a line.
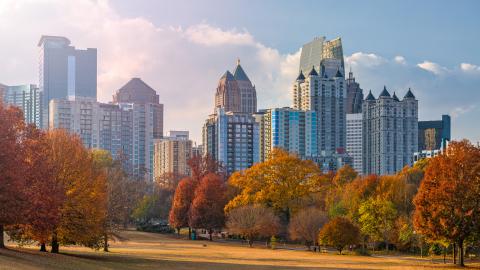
339 232
207 206
447 205
377 218
344 175
182 200
252 221
283 182
84 187
116 193
12 183
200 166
305 225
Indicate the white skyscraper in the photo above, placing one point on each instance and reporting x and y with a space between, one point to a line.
390 132
354 140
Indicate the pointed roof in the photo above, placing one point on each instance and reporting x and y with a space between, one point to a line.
409 94
395 97
300 76
228 76
313 72
239 74
339 74
384 93
136 91
370 96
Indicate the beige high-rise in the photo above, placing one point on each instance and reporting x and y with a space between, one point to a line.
171 154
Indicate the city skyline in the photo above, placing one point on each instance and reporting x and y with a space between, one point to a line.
444 83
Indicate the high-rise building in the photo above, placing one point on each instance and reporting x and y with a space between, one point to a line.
232 139
3 91
235 92
293 130
65 71
354 95
325 94
28 98
172 154
354 140
126 129
138 92
390 132
315 51
433 135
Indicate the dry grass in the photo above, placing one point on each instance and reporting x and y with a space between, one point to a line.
154 251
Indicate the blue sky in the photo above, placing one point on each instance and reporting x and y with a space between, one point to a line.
181 48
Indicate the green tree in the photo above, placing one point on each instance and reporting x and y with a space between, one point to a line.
377 217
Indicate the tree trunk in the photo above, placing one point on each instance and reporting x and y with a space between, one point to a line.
55 245
2 240
454 253
189 233
105 242
444 254
250 242
210 234
460 251
43 247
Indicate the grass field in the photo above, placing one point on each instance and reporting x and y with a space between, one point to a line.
153 251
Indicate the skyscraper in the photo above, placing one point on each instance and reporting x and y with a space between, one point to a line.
390 132
172 154
354 95
325 94
432 135
315 51
354 140
235 92
65 71
292 130
28 98
138 92
232 139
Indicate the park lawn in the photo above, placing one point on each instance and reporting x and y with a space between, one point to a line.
154 251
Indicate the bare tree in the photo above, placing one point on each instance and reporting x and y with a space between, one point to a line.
252 221
305 225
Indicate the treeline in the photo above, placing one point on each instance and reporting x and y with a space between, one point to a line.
432 206
54 191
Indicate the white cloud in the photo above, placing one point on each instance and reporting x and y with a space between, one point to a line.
432 67
470 68
458 111
365 59
400 60
182 64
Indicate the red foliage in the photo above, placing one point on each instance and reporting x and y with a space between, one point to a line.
182 200
207 207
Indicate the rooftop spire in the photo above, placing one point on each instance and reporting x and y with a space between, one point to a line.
238 61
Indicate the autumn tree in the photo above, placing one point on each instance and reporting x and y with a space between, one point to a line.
252 221
12 182
201 165
448 202
84 187
344 175
305 225
377 218
283 182
206 211
117 193
339 232
182 200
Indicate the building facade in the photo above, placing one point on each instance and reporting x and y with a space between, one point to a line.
325 94
65 71
232 139
172 153
390 132
292 130
354 140
354 95
125 129
318 49
235 92
433 135
28 98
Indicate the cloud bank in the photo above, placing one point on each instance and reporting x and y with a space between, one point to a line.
184 63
